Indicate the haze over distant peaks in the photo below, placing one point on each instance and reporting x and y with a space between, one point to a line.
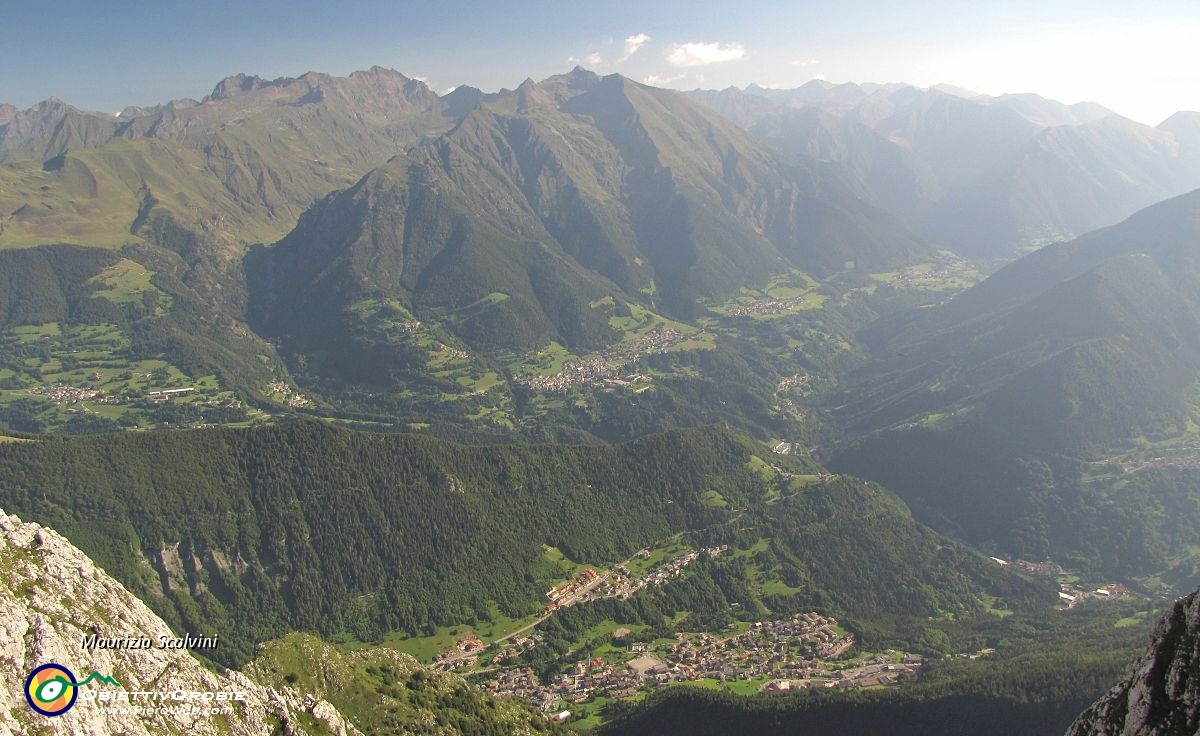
985 176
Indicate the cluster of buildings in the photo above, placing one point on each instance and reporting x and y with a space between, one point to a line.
519 644
767 305
792 648
791 382
1037 569
875 672
61 393
911 275
788 654
792 652
466 651
620 583
572 591
291 396
167 393
606 366
523 684
1069 594
587 679
455 354
588 585
1182 457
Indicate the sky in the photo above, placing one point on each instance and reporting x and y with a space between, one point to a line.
1140 59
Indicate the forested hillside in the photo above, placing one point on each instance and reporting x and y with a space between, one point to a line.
253 533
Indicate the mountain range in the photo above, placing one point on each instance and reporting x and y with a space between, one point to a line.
489 253
988 177
548 210
238 167
576 214
560 324
481 241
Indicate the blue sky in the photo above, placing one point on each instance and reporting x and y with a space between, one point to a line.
1141 59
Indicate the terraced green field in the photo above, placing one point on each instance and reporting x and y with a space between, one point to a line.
81 378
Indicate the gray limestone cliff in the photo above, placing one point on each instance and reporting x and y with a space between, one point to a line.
1161 695
52 595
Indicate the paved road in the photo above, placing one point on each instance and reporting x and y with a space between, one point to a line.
571 600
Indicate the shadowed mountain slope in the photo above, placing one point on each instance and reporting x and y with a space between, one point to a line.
1081 352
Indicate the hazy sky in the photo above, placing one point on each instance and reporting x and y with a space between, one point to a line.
1141 59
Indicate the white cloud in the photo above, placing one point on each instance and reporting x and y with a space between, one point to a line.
701 54
633 43
804 62
658 80
592 59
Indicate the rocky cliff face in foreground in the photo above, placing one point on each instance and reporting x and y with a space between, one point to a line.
51 595
1161 696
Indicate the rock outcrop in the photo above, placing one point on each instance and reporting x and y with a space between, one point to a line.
1161 695
52 596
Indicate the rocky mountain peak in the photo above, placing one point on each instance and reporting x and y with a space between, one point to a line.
1161 695
52 596
235 85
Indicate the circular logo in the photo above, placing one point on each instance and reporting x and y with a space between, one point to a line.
50 689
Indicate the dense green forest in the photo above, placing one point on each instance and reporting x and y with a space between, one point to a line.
252 533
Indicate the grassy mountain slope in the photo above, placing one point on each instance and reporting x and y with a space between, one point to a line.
238 167
383 691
